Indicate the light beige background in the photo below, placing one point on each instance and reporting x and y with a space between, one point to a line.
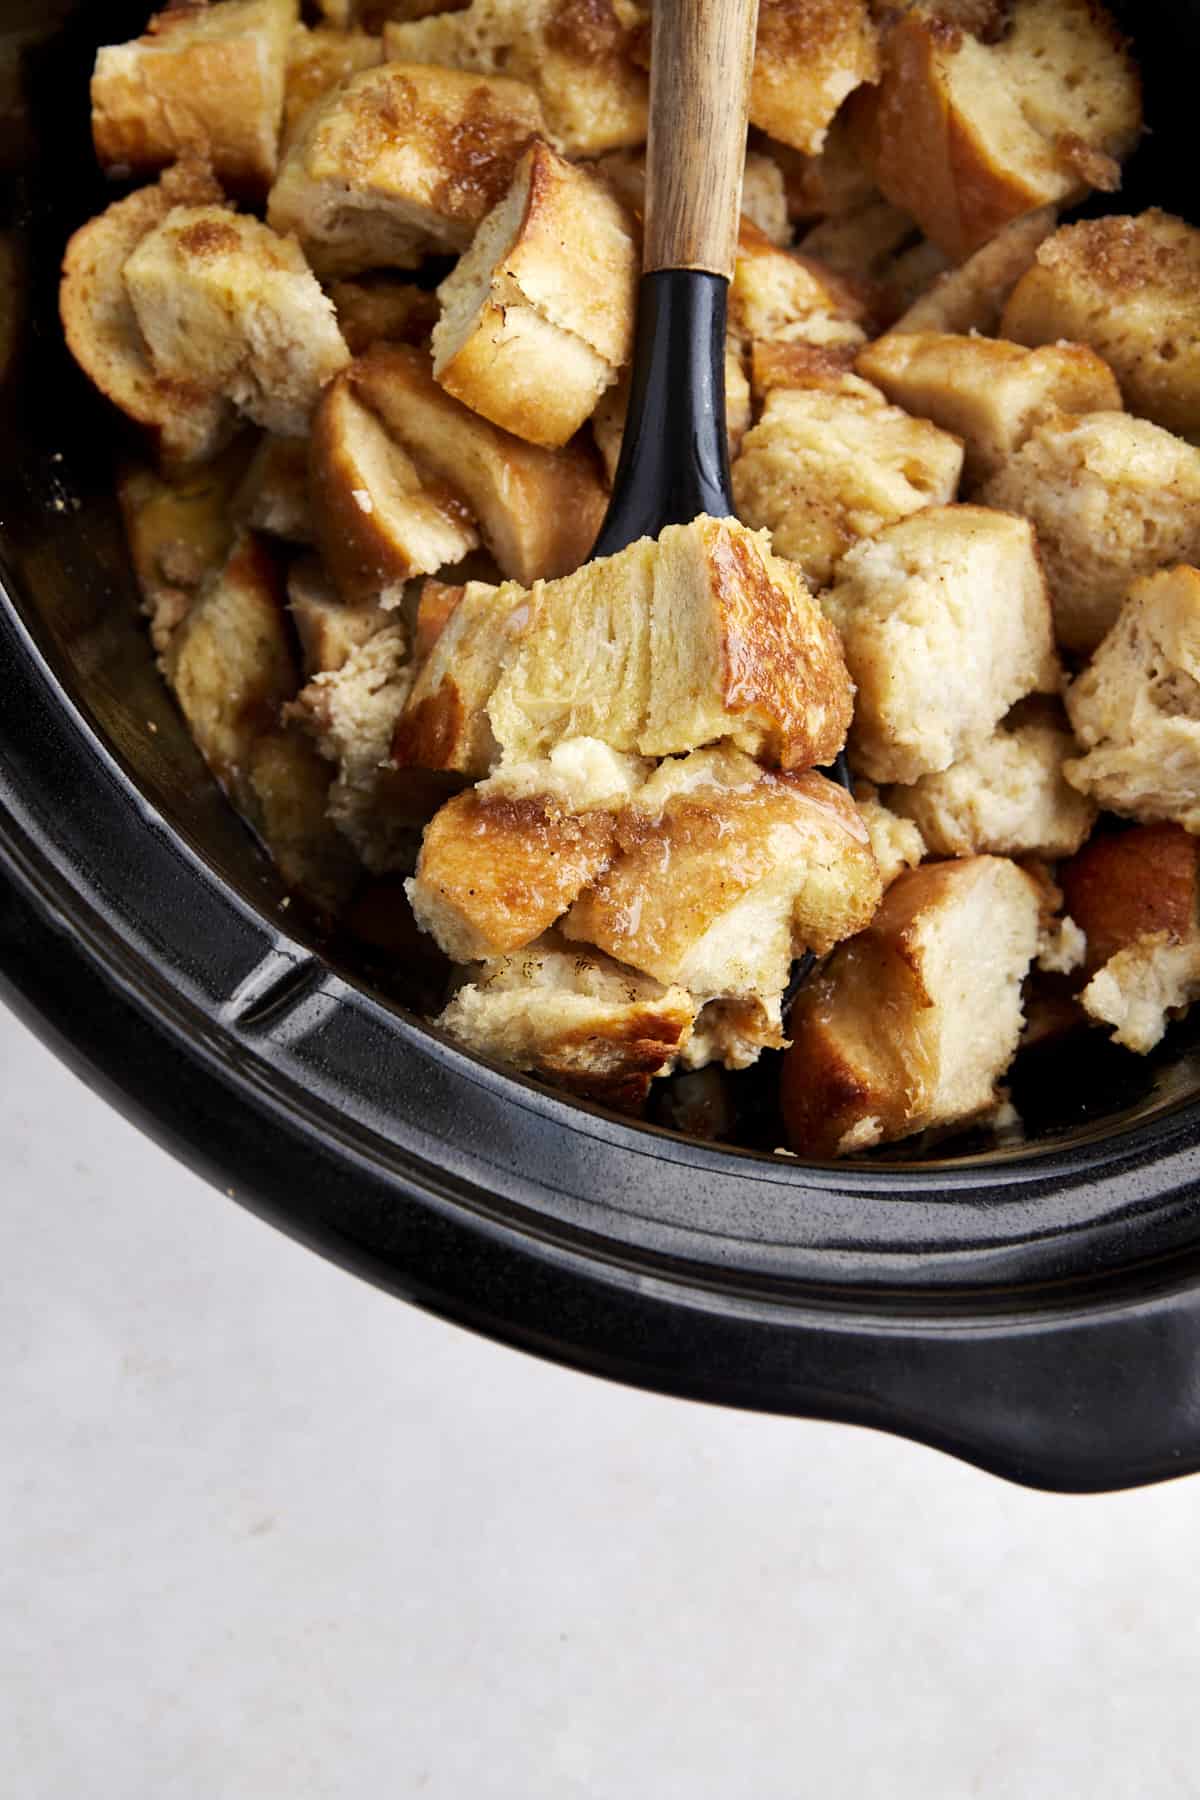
265 1532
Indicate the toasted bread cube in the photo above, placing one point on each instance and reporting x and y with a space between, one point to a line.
186 424
230 663
1113 498
764 197
1129 287
725 873
990 393
496 872
836 180
577 54
1127 885
573 1018
896 843
782 365
351 715
913 1023
971 297
971 131
319 60
444 724
827 465
537 317
288 782
273 495
608 420
1006 797
203 78
329 631
382 307
225 303
1142 988
862 242
946 625
809 55
1136 707
538 510
673 644
777 294
400 161
179 532
377 522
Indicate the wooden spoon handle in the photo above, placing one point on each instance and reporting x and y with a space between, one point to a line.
700 60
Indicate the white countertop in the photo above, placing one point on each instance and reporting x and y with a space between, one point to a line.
267 1532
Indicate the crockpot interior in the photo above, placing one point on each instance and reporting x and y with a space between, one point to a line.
65 564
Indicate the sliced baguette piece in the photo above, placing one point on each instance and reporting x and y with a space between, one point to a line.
946 625
1129 287
537 317
203 78
809 55
225 303
377 522
444 723
579 56
1112 498
1136 707
184 421
970 131
398 162
319 60
538 510
990 393
913 1023
574 1018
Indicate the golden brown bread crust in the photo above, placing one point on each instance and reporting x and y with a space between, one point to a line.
444 724
538 510
1127 885
971 297
808 56
776 293
199 80
319 60
185 423
495 873
435 603
377 522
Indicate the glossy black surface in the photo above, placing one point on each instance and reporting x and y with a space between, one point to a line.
1036 1310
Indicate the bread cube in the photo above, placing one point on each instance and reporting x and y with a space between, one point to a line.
579 56
809 55
1113 498
273 495
444 723
990 393
495 872
1143 987
436 601
764 197
672 644
228 305
230 663
913 1023
383 307
971 296
836 180
538 510
203 78
317 61
946 625
1129 287
1127 885
575 1019
329 631
777 294
376 521
186 423
896 843
1136 707
1008 796
179 531
863 241
288 782
969 131
725 873
828 464
537 317
608 420
400 161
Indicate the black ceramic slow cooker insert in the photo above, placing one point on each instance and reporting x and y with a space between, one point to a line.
1035 1309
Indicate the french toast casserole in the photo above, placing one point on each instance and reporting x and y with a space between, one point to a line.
366 291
